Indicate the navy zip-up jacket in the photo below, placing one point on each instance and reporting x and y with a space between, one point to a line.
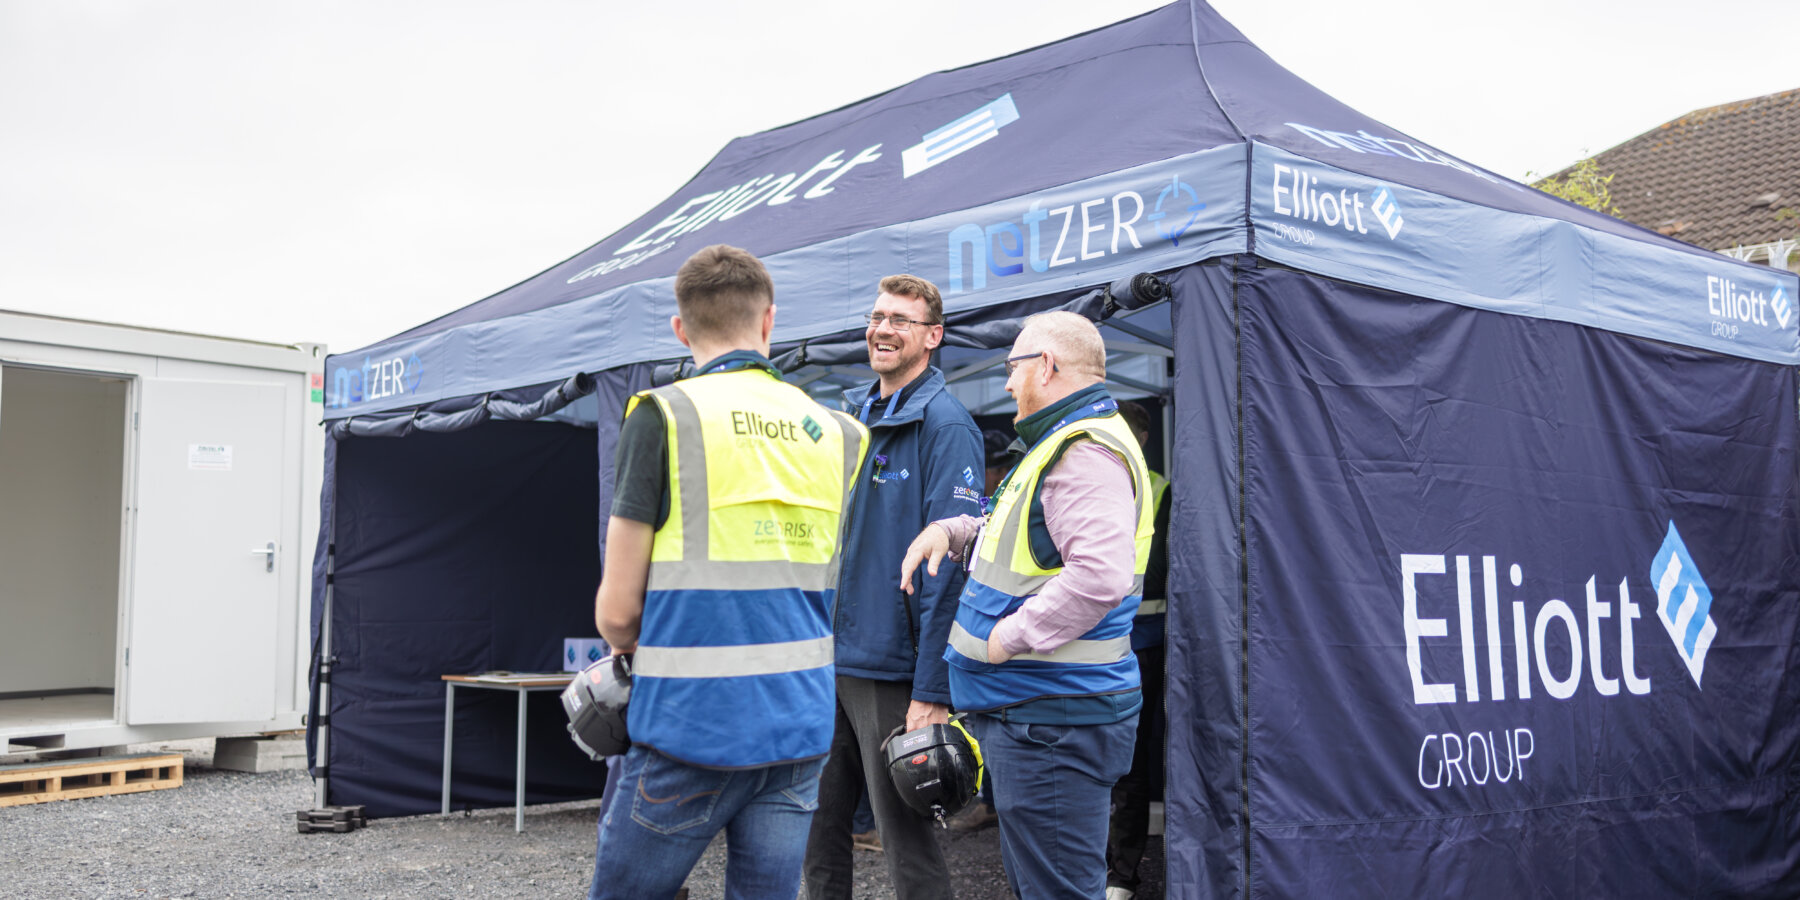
924 463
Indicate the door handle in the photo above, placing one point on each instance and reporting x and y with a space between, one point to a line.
268 554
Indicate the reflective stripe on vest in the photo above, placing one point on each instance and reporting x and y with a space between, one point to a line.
1006 575
1075 652
734 660
731 662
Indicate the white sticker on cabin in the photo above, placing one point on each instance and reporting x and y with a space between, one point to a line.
213 457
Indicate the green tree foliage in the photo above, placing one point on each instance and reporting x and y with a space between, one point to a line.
1583 184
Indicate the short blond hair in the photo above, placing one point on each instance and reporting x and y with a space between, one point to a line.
1076 342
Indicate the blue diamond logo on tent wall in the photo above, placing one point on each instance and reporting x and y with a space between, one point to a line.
1683 602
593 653
1783 307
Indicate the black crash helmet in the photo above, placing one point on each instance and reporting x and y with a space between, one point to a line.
936 769
595 703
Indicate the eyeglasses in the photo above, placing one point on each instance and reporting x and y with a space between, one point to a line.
898 323
1012 362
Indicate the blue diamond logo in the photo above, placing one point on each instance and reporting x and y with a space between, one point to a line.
1683 602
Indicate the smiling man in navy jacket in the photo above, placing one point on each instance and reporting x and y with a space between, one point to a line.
924 463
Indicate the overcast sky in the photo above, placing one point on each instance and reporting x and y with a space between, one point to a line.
341 171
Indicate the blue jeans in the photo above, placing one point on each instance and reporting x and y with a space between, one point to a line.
614 765
1053 787
667 812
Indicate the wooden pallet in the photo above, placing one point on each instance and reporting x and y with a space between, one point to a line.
70 779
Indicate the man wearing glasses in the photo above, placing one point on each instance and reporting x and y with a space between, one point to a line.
924 463
1040 652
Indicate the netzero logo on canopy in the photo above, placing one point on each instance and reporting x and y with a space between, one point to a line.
1364 142
959 137
1080 230
375 380
1683 602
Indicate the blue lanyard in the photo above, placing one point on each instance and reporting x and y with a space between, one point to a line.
732 364
1086 412
863 416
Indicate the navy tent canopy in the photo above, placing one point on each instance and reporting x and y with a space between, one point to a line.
1484 549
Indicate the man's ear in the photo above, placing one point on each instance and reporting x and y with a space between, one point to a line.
680 332
768 322
934 338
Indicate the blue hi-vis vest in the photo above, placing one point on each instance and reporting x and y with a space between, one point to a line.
734 661
1007 572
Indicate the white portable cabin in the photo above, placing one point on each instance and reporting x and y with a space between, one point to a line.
158 492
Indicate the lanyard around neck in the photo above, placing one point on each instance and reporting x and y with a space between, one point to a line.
733 364
1088 411
893 402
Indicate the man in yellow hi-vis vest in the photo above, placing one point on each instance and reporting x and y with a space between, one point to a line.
721 550
1040 652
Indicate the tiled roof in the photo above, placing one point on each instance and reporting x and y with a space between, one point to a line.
1716 177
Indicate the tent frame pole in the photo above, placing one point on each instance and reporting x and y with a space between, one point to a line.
323 783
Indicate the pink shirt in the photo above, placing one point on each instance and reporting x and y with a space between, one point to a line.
1092 516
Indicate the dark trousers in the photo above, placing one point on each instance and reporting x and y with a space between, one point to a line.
1130 830
1051 787
867 711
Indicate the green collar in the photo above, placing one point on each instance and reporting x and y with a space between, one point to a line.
1034 427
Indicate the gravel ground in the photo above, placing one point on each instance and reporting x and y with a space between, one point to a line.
231 834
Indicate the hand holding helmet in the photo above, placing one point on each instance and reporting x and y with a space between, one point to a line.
936 769
595 703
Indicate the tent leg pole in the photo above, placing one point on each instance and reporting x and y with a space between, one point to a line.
322 784
519 772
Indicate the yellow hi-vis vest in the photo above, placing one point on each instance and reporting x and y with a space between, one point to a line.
1159 487
1007 572
734 660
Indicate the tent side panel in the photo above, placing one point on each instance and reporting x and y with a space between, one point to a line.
1523 604
457 553
1204 835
